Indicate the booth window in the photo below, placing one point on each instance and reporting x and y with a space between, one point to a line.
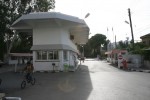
65 55
47 55
44 55
52 55
56 55
39 55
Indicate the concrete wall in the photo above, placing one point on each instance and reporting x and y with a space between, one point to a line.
43 34
45 65
65 38
10 62
147 63
136 60
17 61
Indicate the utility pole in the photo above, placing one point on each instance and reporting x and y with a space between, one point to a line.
131 28
115 42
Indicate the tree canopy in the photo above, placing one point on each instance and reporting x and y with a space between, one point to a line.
10 10
93 46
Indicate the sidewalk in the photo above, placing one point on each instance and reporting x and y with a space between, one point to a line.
137 69
146 70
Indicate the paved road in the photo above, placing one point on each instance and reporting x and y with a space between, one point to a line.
94 80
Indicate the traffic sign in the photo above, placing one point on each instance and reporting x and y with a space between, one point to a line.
120 57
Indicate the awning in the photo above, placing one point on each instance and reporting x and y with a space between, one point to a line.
52 47
21 54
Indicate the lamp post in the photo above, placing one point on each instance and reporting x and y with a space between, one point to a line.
87 15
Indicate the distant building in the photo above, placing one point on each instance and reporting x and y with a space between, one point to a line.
146 39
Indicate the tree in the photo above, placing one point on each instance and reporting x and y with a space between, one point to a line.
22 44
96 42
10 11
138 48
122 45
44 5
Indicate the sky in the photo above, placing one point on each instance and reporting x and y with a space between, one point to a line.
108 16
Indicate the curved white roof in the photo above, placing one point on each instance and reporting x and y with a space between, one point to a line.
50 15
76 26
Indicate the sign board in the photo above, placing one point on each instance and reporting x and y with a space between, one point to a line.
120 57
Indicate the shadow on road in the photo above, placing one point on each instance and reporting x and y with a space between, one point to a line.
10 82
49 86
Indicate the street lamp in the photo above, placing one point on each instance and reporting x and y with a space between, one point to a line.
126 22
87 15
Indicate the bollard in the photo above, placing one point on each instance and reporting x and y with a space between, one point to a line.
15 67
53 64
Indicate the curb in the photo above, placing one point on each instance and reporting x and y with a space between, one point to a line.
139 70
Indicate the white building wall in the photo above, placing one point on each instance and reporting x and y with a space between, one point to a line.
61 60
12 62
44 34
45 65
65 38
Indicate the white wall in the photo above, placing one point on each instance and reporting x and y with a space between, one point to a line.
47 65
12 62
65 38
44 34
146 63
44 65
135 59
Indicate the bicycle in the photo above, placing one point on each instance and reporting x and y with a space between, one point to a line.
30 79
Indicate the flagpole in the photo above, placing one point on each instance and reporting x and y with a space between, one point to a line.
113 34
107 32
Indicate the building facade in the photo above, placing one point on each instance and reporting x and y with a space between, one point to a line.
55 39
146 39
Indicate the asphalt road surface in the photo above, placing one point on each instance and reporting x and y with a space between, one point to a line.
93 80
